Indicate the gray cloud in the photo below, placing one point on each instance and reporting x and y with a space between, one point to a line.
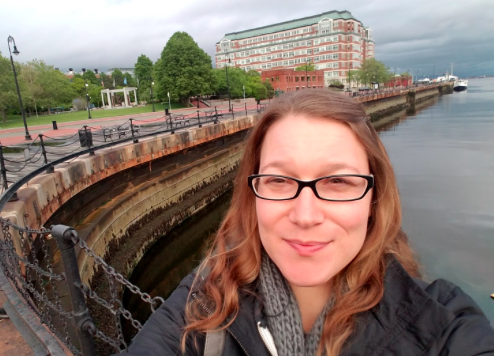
410 35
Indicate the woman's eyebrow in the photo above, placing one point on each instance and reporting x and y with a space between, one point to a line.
275 164
328 167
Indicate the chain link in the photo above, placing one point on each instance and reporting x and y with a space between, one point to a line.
22 270
111 271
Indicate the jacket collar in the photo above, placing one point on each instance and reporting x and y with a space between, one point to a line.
404 308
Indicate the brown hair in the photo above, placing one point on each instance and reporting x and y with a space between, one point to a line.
234 259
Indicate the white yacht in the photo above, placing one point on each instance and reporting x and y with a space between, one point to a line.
460 85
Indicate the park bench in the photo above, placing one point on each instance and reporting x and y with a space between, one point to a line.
261 107
178 120
212 114
120 131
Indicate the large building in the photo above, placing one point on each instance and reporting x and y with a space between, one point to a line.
334 41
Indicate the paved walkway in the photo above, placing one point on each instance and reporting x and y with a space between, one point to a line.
11 343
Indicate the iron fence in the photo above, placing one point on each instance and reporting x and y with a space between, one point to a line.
56 293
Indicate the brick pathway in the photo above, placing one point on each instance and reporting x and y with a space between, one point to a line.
11 342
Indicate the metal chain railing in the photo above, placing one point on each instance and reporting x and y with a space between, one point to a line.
27 259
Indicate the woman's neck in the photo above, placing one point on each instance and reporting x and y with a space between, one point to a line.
311 301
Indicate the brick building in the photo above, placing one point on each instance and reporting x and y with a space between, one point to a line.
334 41
290 80
399 80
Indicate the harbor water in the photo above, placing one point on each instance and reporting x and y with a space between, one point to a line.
443 156
444 161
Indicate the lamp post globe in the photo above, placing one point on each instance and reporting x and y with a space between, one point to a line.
10 39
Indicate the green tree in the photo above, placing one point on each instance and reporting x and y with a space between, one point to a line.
131 82
107 81
91 77
184 70
57 89
237 79
144 70
79 87
310 67
94 92
8 95
118 78
255 88
32 89
373 70
269 88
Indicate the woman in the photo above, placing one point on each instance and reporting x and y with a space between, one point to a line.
310 259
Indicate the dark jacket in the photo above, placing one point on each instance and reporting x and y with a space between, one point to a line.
413 318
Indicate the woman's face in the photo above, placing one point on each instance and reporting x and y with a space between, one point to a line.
309 239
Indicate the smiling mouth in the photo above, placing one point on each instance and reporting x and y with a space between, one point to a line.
306 248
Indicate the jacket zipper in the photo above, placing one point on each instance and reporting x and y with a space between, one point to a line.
267 338
194 295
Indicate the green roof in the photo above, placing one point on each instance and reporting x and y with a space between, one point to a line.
288 25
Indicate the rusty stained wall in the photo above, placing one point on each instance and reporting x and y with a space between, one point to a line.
112 220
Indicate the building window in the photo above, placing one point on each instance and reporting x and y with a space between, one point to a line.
296 79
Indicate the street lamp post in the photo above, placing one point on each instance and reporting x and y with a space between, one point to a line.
228 84
152 99
16 52
350 76
306 80
87 95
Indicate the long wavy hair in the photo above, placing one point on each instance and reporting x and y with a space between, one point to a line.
234 259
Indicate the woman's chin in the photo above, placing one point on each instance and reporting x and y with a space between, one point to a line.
302 277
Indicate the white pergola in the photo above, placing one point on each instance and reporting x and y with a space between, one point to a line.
110 92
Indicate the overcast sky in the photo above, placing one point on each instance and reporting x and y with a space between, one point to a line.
413 34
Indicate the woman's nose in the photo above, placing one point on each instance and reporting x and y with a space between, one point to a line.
307 209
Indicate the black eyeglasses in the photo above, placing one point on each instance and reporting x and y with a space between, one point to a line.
340 187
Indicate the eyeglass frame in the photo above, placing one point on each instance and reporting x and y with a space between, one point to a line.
312 185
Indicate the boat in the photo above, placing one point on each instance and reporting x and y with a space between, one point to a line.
460 85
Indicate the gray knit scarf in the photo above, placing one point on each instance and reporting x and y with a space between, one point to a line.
283 314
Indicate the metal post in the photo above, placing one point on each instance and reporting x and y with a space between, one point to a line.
228 84
65 237
27 136
87 102
88 142
245 109
132 130
233 113
3 169
215 115
43 151
198 118
152 99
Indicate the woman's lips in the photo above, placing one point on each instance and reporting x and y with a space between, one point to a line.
306 248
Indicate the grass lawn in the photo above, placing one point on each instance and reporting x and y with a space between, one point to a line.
16 120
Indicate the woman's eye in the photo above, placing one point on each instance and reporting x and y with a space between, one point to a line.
276 180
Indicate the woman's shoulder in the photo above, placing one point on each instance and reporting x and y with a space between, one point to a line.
438 315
